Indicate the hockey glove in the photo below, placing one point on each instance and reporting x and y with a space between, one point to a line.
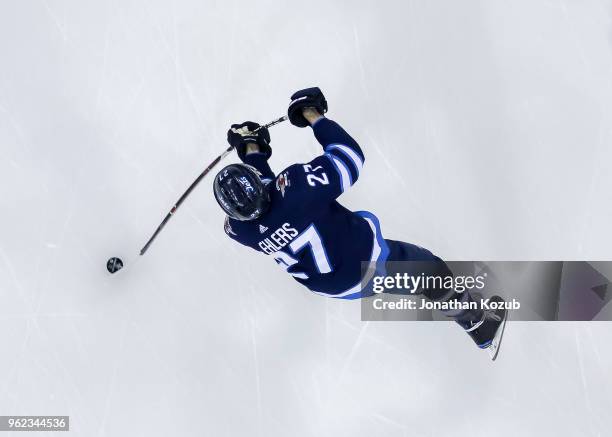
306 98
240 135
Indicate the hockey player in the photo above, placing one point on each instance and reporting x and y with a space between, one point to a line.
295 218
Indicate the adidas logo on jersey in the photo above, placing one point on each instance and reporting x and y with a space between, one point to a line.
262 229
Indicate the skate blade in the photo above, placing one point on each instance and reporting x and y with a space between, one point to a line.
493 349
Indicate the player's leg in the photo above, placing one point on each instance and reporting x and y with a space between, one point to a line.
482 326
422 261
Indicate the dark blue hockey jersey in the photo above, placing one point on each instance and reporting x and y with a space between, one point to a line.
307 232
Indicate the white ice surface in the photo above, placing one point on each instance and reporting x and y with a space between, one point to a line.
486 127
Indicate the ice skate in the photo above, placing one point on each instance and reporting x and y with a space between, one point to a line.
487 333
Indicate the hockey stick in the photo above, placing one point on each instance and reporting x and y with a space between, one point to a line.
196 182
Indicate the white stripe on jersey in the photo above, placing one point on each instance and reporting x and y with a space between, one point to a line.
350 153
345 174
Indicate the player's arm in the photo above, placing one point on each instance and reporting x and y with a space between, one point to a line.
338 168
338 146
232 232
253 148
257 158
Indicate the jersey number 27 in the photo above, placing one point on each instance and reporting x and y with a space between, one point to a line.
312 178
311 238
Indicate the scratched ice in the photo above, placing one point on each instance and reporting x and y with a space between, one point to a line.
486 128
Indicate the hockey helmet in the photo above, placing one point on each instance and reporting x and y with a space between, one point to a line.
241 193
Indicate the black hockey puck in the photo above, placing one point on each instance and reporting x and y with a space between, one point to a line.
114 264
